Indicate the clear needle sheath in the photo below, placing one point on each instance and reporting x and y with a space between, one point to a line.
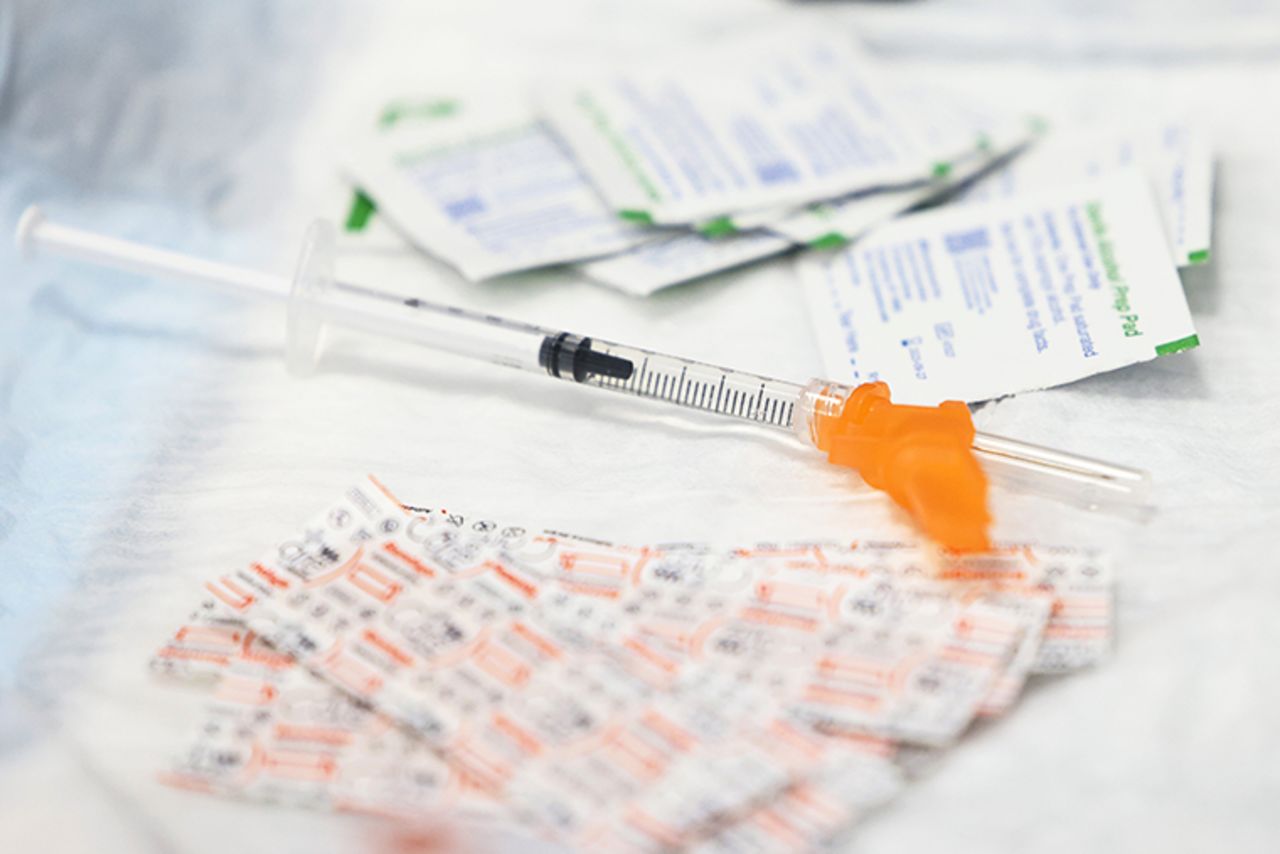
313 300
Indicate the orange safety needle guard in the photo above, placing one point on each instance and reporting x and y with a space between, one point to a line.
922 456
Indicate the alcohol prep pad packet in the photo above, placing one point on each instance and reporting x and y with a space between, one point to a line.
996 137
965 134
979 301
1173 155
490 192
769 120
681 257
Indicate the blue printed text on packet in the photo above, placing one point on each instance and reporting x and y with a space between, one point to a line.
984 300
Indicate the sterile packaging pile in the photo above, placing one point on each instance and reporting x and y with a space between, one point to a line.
408 661
904 203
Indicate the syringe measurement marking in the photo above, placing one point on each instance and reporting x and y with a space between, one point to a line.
762 407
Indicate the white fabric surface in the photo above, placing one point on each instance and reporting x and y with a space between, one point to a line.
149 437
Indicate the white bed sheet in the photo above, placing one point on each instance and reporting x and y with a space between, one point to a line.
148 438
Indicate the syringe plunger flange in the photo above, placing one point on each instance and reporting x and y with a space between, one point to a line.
311 286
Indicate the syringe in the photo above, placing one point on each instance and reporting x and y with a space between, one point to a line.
314 299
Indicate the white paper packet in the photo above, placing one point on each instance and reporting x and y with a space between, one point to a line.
681 257
965 135
767 120
978 301
490 191
834 223
732 241
1173 155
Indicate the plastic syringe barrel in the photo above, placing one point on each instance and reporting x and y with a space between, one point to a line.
317 300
